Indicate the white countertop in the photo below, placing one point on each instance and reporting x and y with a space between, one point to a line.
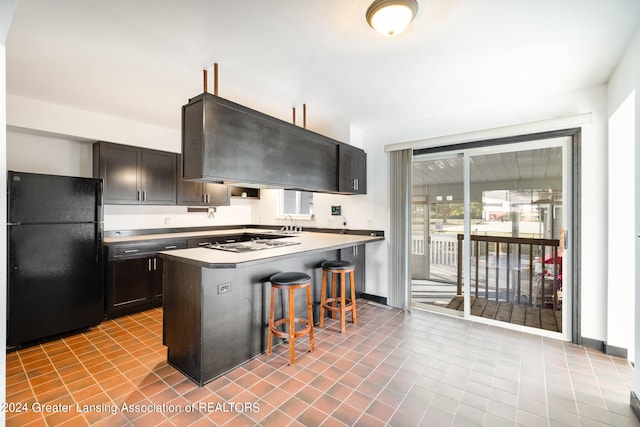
308 242
185 235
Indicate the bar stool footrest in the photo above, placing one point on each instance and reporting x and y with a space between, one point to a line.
348 304
297 333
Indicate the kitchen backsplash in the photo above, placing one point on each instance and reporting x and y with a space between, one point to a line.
126 217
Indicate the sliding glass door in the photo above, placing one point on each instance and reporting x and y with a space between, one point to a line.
437 218
488 233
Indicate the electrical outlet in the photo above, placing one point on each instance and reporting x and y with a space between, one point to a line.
336 210
167 220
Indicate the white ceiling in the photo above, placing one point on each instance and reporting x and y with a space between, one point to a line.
143 59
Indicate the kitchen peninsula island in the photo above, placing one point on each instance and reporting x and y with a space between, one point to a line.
215 301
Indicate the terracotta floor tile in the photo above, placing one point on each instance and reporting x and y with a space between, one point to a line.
261 388
277 397
347 414
120 391
229 391
327 404
276 419
50 390
385 370
22 419
222 417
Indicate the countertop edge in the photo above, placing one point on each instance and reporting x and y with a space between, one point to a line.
178 235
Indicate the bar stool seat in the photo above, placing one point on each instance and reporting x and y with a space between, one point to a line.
338 304
290 281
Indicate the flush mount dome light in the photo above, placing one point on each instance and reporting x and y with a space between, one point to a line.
391 17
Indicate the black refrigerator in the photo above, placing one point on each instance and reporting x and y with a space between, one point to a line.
54 236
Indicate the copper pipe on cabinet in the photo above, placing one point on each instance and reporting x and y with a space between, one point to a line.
204 80
294 115
304 116
215 78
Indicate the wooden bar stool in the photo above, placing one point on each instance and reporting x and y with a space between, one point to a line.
290 281
336 304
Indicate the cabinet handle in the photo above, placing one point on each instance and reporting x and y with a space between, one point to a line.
204 198
171 247
155 264
149 264
357 184
144 196
203 243
208 198
138 195
131 251
355 251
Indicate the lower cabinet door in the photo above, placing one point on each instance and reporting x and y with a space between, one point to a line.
356 254
129 286
156 279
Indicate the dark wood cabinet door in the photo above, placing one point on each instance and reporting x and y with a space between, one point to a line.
156 279
194 193
158 177
356 254
352 170
359 171
217 194
190 193
128 286
345 176
119 168
199 194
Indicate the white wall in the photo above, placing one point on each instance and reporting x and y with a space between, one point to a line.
56 155
3 219
37 115
594 185
127 217
41 151
624 324
6 15
621 244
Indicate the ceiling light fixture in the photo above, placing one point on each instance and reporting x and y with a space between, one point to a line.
391 17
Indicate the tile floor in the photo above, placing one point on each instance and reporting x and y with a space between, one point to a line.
394 368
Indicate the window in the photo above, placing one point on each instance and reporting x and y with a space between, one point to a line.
297 204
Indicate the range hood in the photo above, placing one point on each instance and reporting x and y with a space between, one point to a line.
228 142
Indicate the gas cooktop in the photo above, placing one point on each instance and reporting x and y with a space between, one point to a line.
253 245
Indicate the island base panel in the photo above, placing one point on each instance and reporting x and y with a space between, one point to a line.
217 319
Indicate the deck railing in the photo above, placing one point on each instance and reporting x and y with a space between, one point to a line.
514 269
442 248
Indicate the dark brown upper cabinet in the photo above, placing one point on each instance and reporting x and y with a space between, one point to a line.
133 175
352 171
194 193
